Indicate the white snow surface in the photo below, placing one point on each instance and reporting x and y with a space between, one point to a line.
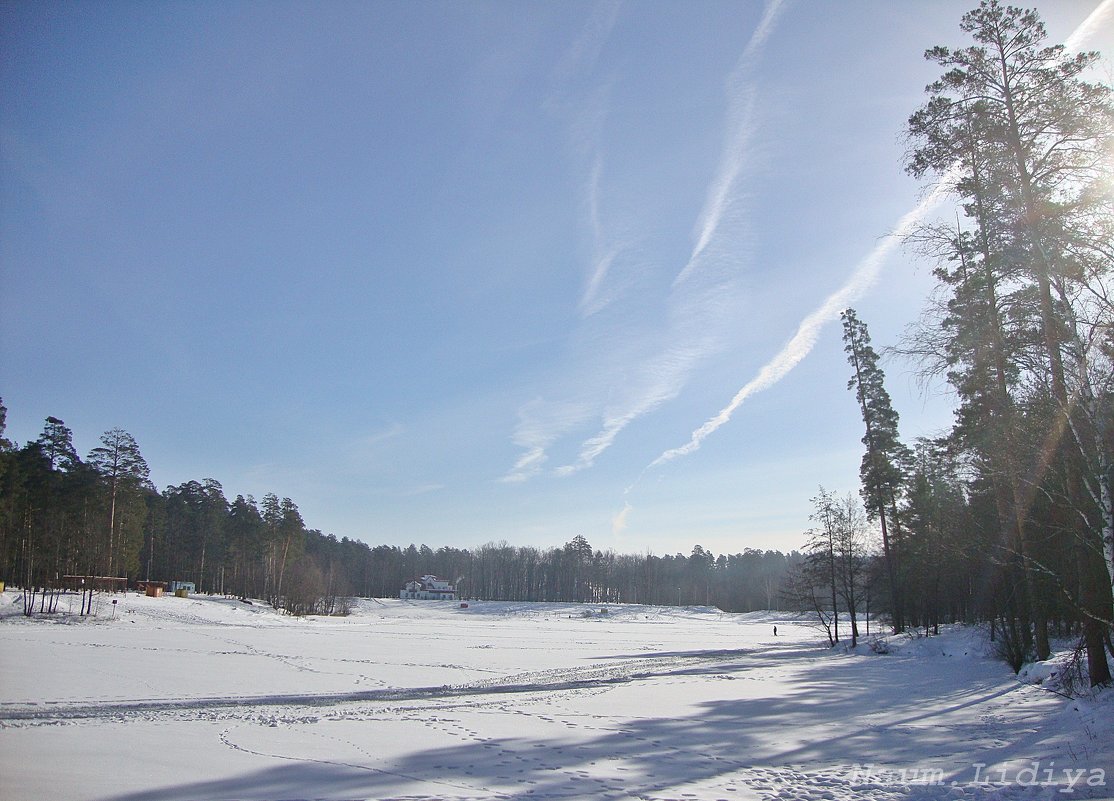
211 698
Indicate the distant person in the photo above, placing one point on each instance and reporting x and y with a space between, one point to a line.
775 631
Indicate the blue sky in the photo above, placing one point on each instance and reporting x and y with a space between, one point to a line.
465 272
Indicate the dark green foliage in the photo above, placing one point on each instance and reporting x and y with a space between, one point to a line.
56 443
1026 145
125 474
886 459
104 518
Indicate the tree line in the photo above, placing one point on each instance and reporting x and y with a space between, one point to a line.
61 516
1007 518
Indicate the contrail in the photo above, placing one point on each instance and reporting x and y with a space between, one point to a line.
808 331
660 379
861 279
1090 26
739 131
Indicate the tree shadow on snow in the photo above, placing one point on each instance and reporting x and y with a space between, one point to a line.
839 712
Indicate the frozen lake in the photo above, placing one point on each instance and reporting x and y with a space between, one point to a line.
205 698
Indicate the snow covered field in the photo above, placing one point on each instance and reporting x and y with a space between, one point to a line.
205 698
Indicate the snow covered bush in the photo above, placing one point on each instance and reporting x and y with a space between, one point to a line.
879 645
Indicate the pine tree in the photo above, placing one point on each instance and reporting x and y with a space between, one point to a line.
883 465
1028 145
5 444
57 443
122 466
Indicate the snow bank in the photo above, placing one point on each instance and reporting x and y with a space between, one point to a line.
1040 672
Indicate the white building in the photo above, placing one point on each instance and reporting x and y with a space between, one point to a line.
428 588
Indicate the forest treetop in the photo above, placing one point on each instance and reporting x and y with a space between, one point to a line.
101 516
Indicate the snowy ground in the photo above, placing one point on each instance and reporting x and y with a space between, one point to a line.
201 698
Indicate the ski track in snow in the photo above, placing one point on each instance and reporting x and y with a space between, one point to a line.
642 704
559 680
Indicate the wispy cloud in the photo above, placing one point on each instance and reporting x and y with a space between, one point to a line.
585 51
540 424
696 308
1103 15
619 521
740 128
657 382
802 342
603 251
583 109
529 464
629 384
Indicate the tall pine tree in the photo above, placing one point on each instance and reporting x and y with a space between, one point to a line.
123 468
884 463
